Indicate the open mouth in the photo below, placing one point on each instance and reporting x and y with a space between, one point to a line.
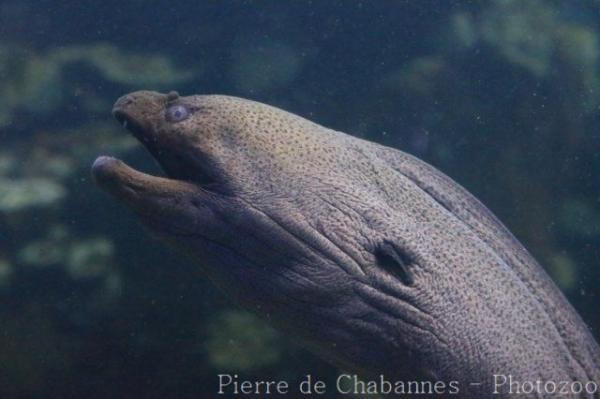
173 164
140 133
130 124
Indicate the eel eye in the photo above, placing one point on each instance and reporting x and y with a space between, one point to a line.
177 113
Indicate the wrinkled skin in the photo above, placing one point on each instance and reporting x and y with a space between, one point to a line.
374 259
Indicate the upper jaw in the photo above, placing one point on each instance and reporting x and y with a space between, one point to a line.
137 112
131 124
133 111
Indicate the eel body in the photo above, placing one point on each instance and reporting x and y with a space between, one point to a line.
374 259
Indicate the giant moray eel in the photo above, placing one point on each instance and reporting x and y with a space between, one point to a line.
374 259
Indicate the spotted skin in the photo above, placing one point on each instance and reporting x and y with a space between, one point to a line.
375 260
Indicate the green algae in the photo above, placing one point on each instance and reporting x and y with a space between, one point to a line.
239 341
128 68
264 65
81 258
89 258
23 194
580 218
7 271
36 82
564 271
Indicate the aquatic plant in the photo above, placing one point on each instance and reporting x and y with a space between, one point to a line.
534 35
6 273
241 342
20 194
127 68
34 81
262 65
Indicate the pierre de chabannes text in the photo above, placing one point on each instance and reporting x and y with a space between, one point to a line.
351 384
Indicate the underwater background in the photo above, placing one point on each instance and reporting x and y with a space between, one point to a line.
502 95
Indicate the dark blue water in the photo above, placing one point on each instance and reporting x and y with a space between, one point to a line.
503 96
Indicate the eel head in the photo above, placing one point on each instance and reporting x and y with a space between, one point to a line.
241 194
